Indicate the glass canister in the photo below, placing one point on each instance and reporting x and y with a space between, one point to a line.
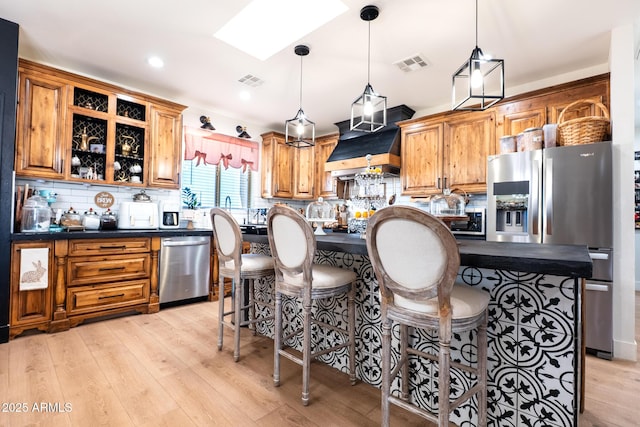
91 220
507 144
447 204
36 215
108 220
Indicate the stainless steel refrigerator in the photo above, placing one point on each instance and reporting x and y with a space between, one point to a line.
561 195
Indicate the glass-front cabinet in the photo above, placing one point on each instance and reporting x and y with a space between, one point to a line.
102 133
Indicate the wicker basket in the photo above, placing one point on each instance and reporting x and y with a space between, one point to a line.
583 130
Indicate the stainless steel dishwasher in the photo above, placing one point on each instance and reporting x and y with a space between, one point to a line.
184 268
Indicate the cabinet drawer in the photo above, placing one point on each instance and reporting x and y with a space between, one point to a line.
91 269
109 246
88 299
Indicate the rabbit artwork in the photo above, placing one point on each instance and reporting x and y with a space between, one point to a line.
34 276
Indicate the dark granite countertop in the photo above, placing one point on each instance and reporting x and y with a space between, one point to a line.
109 234
559 260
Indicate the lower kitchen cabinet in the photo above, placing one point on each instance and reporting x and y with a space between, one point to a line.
30 309
105 276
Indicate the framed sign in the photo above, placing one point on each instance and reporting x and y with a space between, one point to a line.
104 199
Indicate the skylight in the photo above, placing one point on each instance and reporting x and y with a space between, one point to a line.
263 28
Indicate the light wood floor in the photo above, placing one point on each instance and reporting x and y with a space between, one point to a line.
164 370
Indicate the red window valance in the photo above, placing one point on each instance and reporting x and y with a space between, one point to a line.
211 148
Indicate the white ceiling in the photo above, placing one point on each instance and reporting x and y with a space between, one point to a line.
111 40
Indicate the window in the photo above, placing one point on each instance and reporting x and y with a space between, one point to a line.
220 169
213 184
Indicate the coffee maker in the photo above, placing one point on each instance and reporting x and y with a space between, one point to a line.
169 214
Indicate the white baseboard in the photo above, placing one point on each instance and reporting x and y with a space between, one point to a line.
623 350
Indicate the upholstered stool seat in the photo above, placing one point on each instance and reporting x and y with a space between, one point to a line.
416 273
233 264
293 247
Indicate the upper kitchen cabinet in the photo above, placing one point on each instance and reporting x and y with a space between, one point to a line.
40 132
166 142
100 132
277 166
444 152
421 157
537 108
326 185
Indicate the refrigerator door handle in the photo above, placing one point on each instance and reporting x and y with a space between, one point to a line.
535 196
548 197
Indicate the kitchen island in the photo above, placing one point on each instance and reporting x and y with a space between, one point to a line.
534 327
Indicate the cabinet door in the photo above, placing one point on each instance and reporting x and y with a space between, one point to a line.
468 141
266 181
303 172
325 184
579 110
283 169
40 127
166 140
515 120
31 308
421 157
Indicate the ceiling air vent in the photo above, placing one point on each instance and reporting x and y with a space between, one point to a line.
412 63
251 80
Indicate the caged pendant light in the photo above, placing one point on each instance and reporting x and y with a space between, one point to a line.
369 111
479 82
299 131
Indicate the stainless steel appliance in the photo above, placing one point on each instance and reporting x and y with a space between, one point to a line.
561 195
474 227
184 268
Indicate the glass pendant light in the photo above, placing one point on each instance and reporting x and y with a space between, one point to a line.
299 131
479 82
369 111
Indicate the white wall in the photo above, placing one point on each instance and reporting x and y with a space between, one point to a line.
622 64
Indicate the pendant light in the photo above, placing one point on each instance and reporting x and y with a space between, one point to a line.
299 131
479 82
369 111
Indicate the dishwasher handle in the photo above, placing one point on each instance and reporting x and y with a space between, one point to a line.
168 243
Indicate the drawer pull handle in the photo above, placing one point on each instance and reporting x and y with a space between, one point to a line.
111 296
111 268
113 247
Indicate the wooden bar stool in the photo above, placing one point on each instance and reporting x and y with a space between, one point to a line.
293 246
416 260
232 263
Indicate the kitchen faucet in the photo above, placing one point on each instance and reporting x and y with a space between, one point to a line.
227 203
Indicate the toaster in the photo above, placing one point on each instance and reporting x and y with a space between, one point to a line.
137 216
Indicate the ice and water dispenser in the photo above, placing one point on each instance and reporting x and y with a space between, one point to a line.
510 203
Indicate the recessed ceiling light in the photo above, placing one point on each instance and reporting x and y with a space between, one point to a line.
263 28
245 95
155 62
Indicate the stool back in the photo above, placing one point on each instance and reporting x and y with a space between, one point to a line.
414 255
292 244
228 238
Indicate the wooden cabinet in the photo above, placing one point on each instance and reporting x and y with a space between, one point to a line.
31 309
277 166
78 129
304 172
106 276
444 153
297 173
166 147
326 185
421 157
40 131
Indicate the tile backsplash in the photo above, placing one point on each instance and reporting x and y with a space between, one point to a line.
81 196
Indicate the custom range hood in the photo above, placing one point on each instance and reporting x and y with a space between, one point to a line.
348 158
